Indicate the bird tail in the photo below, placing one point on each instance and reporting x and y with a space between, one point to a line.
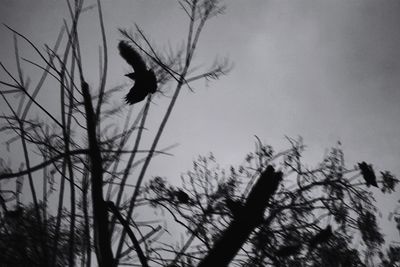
134 97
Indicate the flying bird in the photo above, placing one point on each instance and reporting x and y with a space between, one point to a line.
145 79
368 174
321 237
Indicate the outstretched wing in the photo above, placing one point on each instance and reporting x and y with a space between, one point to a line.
132 57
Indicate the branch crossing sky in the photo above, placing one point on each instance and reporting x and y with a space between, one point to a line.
325 70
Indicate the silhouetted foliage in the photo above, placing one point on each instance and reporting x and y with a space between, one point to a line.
315 218
321 237
20 235
76 157
288 250
271 210
392 257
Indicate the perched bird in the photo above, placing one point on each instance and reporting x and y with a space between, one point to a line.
321 237
182 197
368 174
145 79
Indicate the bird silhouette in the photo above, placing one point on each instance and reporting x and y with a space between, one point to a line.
145 79
321 237
368 174
182 197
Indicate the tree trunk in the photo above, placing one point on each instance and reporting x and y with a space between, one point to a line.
100 217
226 248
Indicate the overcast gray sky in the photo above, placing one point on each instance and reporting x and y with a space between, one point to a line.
326 70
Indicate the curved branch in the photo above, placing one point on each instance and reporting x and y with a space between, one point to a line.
129 231
71 153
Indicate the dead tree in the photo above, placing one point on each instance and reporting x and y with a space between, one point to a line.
233 238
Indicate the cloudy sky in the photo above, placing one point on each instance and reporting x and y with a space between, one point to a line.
325 70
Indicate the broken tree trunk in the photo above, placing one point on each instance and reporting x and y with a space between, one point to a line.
226 248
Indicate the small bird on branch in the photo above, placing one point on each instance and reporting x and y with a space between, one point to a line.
145 79
368 174
182 197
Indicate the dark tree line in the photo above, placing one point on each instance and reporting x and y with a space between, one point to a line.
324 216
